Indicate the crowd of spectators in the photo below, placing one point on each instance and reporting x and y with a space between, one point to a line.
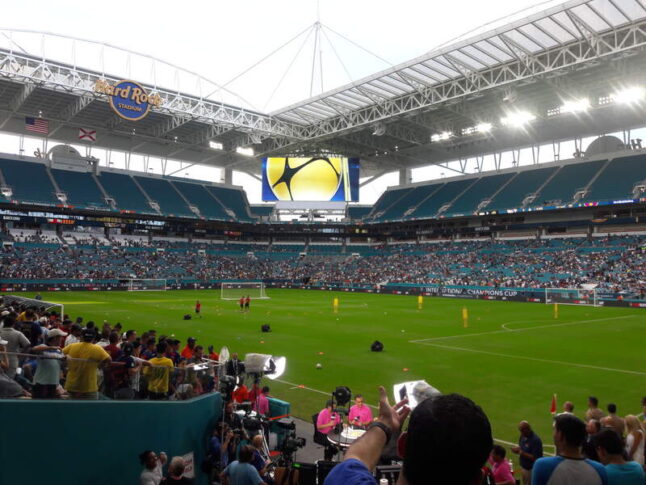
47 356
615 265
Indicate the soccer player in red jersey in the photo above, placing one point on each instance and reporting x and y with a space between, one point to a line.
198 308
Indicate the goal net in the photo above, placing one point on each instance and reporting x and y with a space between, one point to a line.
234 291
135 284
38 304
571 296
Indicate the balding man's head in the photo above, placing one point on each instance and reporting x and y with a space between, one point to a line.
524 428
568 406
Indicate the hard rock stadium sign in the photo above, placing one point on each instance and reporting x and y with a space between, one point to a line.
128 99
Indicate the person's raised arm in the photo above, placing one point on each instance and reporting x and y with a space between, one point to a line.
367 449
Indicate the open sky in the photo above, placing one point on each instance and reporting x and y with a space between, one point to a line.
219 40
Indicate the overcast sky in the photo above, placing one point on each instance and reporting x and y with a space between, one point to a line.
220 39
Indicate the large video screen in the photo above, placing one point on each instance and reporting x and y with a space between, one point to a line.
310 179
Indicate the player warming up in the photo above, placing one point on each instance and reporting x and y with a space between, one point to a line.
247 301
241 301
198 309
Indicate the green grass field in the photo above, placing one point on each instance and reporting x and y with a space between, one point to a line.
510 359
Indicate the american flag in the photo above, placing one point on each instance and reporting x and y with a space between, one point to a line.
86 134
37 125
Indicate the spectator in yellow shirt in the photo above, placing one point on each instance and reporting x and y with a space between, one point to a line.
84 358
158 374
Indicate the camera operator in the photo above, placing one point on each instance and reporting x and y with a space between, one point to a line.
221 452
230 418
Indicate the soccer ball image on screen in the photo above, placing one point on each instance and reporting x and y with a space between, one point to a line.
304 179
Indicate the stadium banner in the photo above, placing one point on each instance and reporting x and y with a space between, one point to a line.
128 99
310 179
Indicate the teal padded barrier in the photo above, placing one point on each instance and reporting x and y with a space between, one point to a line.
98 442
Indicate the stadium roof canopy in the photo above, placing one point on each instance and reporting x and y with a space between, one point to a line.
444 105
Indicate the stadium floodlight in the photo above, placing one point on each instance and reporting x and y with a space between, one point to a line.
245 151
272 367
484 127
445 135
629 95
216 145
576 106
517 119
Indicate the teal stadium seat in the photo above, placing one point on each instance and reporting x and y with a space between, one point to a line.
617 180
430 207
566 182
525 183
388 198
232 199
125 192
161 191
29 182
81 189
357 212
412 197
261 210
201 198
483 189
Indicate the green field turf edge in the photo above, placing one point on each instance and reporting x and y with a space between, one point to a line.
510 358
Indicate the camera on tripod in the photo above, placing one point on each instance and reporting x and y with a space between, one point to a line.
291 443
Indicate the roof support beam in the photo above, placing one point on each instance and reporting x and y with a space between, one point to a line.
17 102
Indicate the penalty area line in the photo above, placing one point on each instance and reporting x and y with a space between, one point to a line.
508 330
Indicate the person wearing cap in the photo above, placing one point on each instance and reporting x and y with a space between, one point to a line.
84 359
48 371
189 350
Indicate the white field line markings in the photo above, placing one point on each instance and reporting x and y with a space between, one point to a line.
535 359
507 330
296 386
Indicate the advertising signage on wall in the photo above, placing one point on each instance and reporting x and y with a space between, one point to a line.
128 99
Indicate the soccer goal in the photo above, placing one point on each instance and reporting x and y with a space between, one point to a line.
571 296
135 284
40 305
234 291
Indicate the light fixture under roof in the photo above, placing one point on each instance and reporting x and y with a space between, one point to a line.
517 119
245 151
445 135
484 127
576 106
629 95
